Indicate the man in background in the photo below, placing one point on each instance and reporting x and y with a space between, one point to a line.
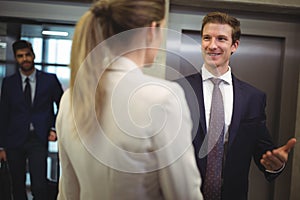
27 122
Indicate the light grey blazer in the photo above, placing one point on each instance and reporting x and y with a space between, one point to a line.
137 145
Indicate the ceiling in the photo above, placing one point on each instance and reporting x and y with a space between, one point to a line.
288 12
30 30
268 6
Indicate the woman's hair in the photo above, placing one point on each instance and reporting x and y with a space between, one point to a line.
107 18
223 18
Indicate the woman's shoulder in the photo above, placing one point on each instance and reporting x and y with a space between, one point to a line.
161 89
65 97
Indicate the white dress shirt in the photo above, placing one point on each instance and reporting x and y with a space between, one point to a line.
226 88
32 81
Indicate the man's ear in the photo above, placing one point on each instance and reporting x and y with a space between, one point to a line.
234 46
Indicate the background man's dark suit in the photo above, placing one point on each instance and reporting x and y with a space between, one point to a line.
15 115
248 135
15 137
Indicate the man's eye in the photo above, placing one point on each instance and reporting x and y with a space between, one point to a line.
222 38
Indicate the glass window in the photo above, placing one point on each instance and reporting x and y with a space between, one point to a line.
62 73
3 46
58 51
37 45
55 58
2 70
39 67
2 73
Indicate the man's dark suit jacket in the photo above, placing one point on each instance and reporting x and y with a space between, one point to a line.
248 134
15 116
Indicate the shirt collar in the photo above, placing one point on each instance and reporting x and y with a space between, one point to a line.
227 78
31 77
123 64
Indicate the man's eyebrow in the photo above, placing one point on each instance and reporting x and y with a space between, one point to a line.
21 54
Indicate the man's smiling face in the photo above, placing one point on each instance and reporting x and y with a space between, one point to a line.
217 46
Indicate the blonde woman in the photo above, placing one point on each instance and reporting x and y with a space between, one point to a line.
123 134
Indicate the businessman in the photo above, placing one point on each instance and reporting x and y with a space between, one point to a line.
27 122
230 124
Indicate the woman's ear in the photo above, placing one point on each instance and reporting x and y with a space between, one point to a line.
151 33
154 24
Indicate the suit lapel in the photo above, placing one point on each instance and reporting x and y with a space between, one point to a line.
201 107
37 86
238 100
19 87
196 82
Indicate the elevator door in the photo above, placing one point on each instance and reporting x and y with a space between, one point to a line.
257 61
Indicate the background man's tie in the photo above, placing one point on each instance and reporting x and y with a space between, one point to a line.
27 92
213 180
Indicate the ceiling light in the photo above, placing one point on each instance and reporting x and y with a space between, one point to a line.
55 33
